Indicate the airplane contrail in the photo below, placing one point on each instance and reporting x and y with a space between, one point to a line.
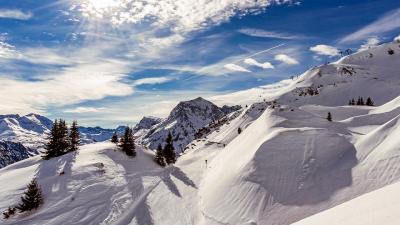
257 53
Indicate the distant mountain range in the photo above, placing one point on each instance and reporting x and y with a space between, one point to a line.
24 136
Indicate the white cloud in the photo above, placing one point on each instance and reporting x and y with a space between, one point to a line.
268 34
65 86
151 80
371 42
182 15
8 51
236 68
15 14
253 62
325 50
84 110
388 22
286 59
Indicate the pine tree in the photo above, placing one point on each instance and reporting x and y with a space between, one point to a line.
128 143
51 146
369 102
329 117
74 138
359 100
169 151
32 198
353 102
362 101
159 158
63 142
114 138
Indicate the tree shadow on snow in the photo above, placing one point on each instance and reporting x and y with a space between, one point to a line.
142 211
60 167
178 174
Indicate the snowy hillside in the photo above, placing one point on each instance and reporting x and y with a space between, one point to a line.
377 207
274 162
32 130
184 121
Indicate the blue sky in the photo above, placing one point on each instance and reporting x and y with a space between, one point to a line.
110 62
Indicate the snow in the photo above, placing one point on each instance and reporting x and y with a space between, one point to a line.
287 164
98 183
377 207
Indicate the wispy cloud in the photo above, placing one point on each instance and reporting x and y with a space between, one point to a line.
286 59
369 43
253 62
8 51
15 14
91 79
325 50
236 68
151 80
268 34
388 22
84 110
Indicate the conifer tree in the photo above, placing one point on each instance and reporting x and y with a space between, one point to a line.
362 101
128 143
32 197
369 102
349 102
63 141
359 100
169 151
329 117
159 158
353 102
74 138
114 138
51 146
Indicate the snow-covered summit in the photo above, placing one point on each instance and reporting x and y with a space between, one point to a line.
147 122
184 122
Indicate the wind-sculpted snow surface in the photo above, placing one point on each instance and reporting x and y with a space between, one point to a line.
275 162
377 207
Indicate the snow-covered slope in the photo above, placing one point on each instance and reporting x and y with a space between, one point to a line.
31 129
377 207
369 73
31 132
184 122
287 163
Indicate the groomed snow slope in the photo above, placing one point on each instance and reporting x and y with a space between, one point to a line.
377 207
